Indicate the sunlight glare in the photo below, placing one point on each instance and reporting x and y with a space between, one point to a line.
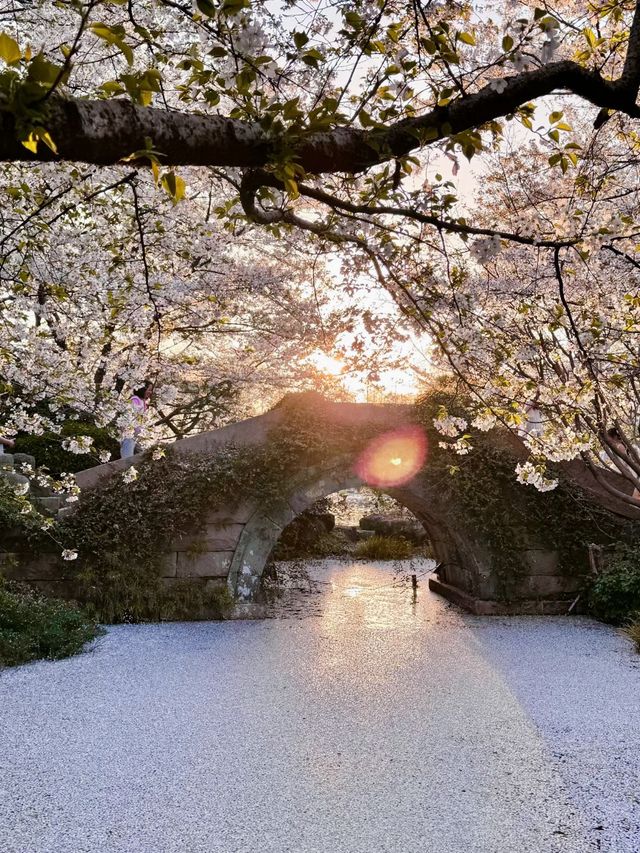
393 458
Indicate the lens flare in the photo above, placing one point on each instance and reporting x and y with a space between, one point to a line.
393 458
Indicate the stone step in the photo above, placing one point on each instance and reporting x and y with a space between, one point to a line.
49 506
6 461
20 459
14 478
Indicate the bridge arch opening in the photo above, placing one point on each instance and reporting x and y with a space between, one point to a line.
266 525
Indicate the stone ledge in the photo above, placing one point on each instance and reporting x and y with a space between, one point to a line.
481 607
26 567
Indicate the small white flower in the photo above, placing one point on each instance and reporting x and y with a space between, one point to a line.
158 453
462 446
486 248
533 475
104 456
130 475
549 48
68 554
401 90
27 509
498 85
21 489
72 499
520 62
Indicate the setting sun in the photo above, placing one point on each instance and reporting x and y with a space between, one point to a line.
326 363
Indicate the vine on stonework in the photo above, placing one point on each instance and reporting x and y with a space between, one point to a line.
122 531
483 494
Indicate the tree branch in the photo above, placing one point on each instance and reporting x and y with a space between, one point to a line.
106 131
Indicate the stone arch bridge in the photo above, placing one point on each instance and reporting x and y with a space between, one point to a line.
233 545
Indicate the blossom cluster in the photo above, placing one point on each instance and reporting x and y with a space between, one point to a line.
448 424
534 475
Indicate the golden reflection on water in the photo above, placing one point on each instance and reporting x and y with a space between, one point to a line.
375 596
371 626
348 596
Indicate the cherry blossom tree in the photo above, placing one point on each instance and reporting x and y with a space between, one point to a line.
351 123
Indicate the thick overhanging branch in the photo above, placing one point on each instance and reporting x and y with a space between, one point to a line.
105 132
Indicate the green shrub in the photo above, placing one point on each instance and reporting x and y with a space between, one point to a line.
615 593
48 450
16 526
383 548
34 627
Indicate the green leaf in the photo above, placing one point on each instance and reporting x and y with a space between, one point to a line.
590 37
507 44
466 38
42 71
38 134
115 36
174 186
555 116
206 7
233 7
9 50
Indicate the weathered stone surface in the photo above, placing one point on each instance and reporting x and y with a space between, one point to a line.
14 478
231 515
212 538
481 607
169 565
542 562
6 462
24 567
49 506
211 564
387 525
550 586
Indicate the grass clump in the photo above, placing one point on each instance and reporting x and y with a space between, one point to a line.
633 631
33 627
384 548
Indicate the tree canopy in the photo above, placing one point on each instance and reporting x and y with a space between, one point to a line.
478 161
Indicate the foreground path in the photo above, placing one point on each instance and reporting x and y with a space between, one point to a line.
381 725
